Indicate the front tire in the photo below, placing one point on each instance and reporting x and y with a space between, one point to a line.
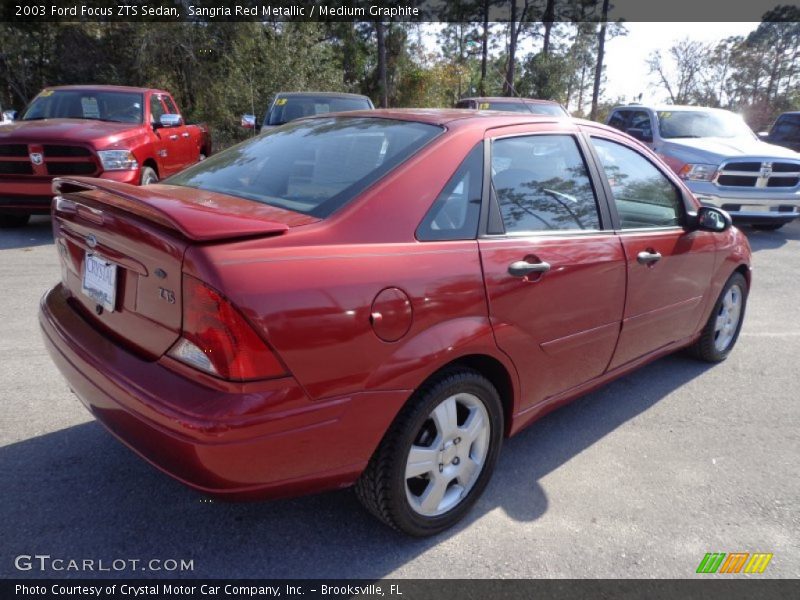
149 176
722 328
438 455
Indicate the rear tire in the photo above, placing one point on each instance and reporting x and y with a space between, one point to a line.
438 455
768 227
722 329
13 221
149 176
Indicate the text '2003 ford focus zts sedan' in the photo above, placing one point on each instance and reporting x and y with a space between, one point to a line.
378 298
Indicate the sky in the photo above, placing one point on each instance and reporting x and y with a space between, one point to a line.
626 68
625 63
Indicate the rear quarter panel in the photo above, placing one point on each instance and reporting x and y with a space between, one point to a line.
311 290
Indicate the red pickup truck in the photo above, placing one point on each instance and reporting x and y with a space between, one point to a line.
126 134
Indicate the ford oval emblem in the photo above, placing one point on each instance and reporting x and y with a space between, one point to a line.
91 241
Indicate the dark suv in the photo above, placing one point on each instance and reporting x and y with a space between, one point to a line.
785 131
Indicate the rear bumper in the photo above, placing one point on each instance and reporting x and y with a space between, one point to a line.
33 196
240 441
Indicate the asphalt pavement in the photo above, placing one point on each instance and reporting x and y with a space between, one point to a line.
637 480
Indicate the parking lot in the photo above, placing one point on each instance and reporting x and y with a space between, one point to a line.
637 480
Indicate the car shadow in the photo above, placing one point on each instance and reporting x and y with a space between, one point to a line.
771 240
78 493
37 233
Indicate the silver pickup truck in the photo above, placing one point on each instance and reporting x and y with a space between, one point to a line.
721 160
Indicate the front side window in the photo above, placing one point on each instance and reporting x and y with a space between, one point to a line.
455 213
643 195
542 184
313 167
156 109
118 107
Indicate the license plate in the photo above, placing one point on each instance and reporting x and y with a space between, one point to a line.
100 281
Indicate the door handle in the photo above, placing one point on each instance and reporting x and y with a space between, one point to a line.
185 134
174 136
645 257
521 268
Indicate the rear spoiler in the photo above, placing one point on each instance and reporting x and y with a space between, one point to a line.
219 217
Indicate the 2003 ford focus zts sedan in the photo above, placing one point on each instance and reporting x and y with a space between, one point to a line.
378 298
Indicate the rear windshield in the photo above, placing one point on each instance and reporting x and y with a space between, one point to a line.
536 109
294 107
119 107
312 167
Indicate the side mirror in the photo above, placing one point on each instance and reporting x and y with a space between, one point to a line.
170 120
639 134
9 115
249 121
711 218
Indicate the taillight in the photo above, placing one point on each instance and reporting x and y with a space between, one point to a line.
217 339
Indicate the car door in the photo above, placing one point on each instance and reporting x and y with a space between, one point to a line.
168 145
555 277
188 152
669 266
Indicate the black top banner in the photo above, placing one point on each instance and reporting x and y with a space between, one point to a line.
396 10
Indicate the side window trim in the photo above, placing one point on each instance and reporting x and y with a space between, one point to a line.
425 235
617 223
490 208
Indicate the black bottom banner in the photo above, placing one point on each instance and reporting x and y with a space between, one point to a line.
402 589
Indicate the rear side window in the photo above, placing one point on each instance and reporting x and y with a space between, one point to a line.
643 195
454 215
641 120
541 184
312 167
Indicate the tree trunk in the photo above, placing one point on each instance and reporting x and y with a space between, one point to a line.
484 48
598 71
547 21
383 92
508 84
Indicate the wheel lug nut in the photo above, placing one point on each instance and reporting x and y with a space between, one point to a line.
441 467
457 441
456 460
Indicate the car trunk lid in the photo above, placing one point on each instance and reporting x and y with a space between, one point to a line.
121 249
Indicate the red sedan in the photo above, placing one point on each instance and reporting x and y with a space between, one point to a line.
378 298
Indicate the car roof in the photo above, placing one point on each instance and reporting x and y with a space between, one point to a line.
106 88
510 100
484 119
324 94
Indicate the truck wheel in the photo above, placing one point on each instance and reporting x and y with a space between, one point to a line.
438 455
12 221
149 176
769 227
722 328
